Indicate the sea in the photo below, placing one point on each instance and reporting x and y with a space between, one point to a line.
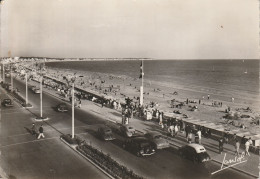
223 78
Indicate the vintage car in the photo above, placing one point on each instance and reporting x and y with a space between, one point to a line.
7 102
139 146
127 130
105 133
194 152
32 88
157 139
62 107
37 90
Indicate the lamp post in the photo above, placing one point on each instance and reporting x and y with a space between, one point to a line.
72 93
26 90
11 76
3 72
41 94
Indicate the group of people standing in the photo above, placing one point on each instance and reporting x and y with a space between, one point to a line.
245 142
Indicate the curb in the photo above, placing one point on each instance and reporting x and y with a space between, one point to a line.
87 159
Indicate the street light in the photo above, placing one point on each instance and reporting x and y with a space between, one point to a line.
26 90
11 76
41 79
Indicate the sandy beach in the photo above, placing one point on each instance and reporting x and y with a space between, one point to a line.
119 87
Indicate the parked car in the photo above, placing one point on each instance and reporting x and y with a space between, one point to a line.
127 130
157 139
62 107
32 88
194 152
37 90
7 102
105 133
7 75
139 146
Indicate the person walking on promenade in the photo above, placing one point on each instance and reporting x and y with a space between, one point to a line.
41 132
220 145
237 146
33 130
189 138
247 144
176 130
226 138
79 104
199 136
234 138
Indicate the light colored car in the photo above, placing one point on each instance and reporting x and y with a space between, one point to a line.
37 91
127 130
157 139
194 152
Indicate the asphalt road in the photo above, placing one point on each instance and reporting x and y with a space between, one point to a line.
49 157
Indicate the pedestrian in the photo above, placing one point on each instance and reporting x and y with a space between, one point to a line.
199 136
226 138
171 129
247 144
237 146
208 96
176 130
33 129
41 132
220 145
199 101
79 104
189 137
234 138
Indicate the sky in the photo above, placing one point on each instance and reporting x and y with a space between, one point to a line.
160 29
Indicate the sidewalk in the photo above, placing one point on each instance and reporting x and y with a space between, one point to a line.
249 167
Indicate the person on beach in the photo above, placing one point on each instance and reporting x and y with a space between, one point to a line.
220 145
199 101
208 96
247 145
41 132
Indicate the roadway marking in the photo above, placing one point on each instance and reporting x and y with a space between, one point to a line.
37 140
44 130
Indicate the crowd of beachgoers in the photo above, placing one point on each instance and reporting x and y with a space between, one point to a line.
158 101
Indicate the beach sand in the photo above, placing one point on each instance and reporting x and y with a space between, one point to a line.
124 86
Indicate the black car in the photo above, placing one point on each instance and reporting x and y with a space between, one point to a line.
105 133
139 146
62 107
194 152
7 103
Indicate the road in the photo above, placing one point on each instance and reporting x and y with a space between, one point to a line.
49 157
